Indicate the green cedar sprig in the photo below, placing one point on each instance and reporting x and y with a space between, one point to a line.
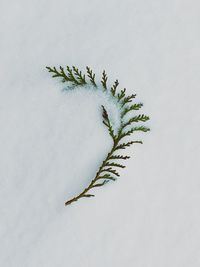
131 108
104 80
91 76
107 171
114 87
79 76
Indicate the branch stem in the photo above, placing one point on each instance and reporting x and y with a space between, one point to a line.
90 186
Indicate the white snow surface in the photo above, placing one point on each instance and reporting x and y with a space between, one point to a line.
52 141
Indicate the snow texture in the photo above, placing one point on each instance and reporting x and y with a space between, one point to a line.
52 140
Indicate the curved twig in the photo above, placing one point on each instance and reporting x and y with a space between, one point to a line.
106 171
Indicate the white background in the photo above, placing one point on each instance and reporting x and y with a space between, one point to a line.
51 142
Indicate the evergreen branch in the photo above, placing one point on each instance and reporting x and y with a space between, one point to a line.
91 76
121 94
63 74
113 164
107 178
71 76
56 73
74 199
97 177
125 145
106 171
100 184
114 87
65 78
128 133
137 118
113 171
80 77
106 121
104 80
127 99
119 157
53 70
130 108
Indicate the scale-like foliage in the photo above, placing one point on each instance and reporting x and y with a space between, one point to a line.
131 108
114 87
107 171
79 76
104 80
91 76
